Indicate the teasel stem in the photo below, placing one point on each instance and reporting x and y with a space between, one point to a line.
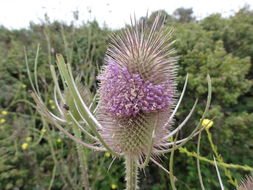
82 154
71 116
82 159
131 172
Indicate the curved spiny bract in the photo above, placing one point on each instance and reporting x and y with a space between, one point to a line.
69 104
137 89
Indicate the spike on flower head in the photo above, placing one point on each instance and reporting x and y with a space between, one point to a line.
137 90
246 184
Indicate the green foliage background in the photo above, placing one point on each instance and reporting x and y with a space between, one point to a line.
222 47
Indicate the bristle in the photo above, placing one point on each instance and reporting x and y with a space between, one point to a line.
246 184
127 134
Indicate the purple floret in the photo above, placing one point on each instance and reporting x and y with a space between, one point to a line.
125 94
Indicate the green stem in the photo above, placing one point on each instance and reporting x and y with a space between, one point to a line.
220 159
83 160
222 164
82 154
131 173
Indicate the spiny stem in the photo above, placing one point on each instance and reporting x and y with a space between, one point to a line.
131 173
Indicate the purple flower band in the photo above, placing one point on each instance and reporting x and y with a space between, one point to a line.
125 94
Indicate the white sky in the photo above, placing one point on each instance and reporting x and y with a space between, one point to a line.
115 13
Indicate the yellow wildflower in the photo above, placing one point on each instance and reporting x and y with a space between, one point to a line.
107 154
207 123
24 146
28 139
2 120
58 140
4 112
113 186
23 86
51 101
43 130
52 107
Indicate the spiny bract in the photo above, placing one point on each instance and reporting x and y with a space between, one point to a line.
137 88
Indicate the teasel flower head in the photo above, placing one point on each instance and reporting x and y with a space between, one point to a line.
246 184
138 88
137 99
